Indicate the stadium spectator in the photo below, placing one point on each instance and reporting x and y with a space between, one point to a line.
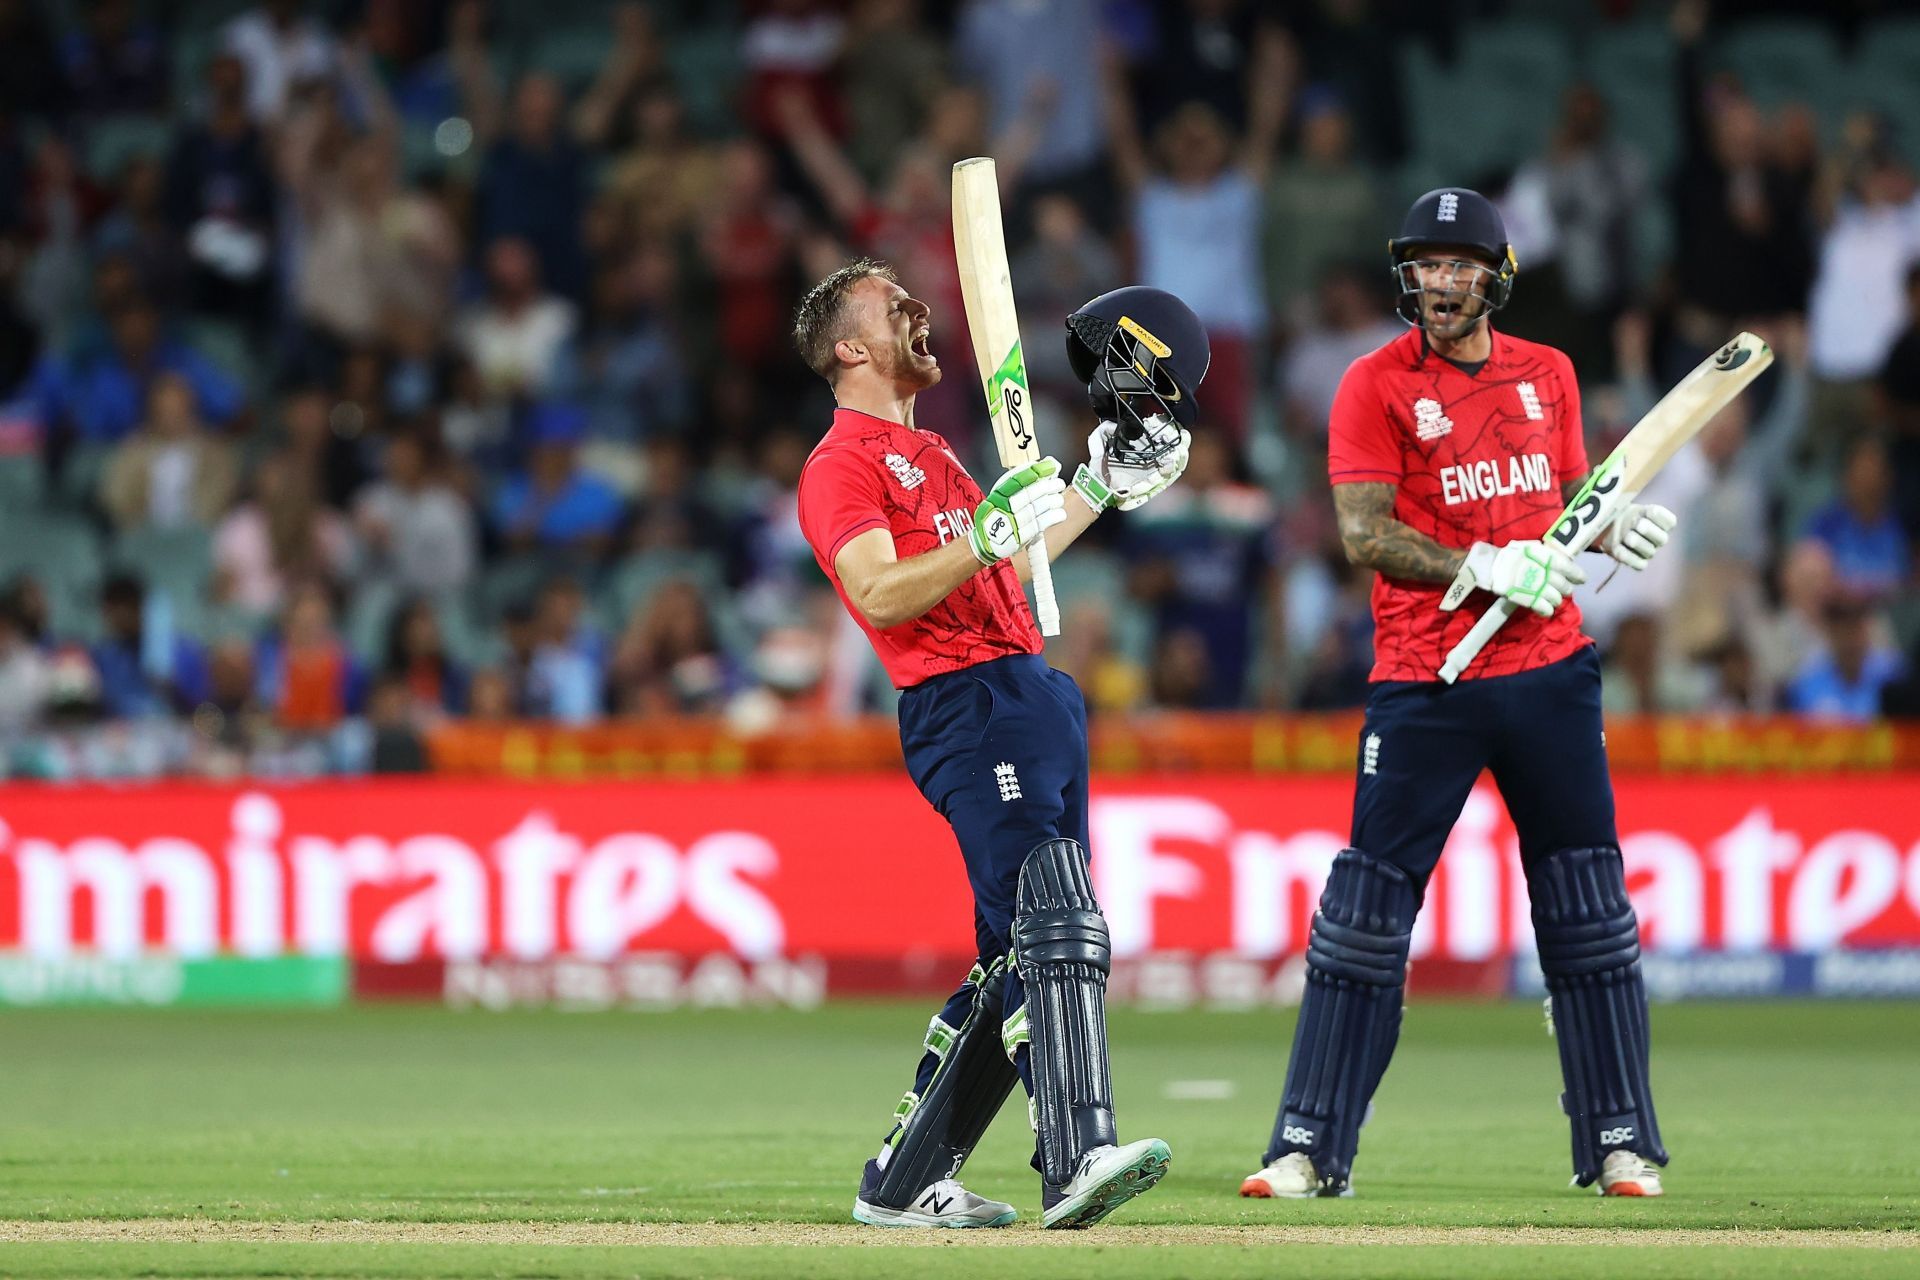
136 231
1199 558
416 656
1025 54
329 457
1181 677
222 201
281 534
515 336
282 48
1857 307
26 677
1066 264
555 504
671 514
146 666
1640 678
1897 403
172 471
373 259
659 185
100 392
1088 651
306 674
1843 681
1742 248
1195 216
626 367
1352 320
746 238
1572 210
397 746
1859 528
61 204
115 63
1323 207
788 47
560 678
416 530
610 114
668 660
533 188
893 71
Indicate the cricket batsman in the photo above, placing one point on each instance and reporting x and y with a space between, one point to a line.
931 569
1452 451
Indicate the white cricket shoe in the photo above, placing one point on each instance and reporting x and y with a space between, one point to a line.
944 1204
1625 1174
1107 1177
1291 1177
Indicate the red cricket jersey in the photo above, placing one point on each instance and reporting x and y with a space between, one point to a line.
1475 458
868 473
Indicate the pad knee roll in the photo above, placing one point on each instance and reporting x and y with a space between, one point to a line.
1061 946
1350 1011
1589 943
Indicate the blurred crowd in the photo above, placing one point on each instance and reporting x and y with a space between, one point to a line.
371 364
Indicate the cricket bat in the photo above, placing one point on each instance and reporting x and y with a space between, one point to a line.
1651 444
980 244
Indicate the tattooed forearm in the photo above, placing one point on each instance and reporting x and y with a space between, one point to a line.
1374 539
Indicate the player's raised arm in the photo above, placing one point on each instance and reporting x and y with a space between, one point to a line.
1021 507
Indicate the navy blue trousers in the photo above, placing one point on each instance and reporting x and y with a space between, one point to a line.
1425 743
1000 749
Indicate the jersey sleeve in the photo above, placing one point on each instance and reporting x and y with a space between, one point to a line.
1571 464
1362 445
840 499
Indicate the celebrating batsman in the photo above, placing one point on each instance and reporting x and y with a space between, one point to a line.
1452 450
930 567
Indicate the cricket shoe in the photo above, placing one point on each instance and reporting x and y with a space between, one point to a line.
1291 1177
1625 1174
944 1204
1106 1178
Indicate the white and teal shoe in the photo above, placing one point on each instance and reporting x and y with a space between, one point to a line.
1107 1177
944 1204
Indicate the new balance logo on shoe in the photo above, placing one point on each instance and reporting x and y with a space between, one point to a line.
935 1203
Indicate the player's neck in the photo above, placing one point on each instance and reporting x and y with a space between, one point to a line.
1473 347
876 402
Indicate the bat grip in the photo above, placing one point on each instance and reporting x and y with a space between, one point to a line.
1045 606
1475 640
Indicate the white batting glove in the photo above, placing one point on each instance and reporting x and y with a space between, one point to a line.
1104 483
1637 533
1533 574
1023 504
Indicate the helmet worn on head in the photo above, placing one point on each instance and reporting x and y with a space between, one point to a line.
1454 216
1142 353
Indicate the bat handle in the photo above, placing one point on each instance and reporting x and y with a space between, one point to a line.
1045 606
1475 640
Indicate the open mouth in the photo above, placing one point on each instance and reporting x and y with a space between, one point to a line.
922 344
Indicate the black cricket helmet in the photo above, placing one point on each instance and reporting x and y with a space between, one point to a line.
1142 353
1459 217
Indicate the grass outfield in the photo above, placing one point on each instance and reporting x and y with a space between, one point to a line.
413 1142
